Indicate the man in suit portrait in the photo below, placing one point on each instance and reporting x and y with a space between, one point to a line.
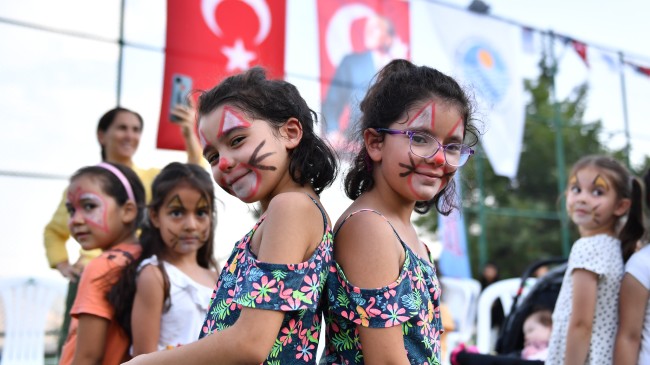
354 75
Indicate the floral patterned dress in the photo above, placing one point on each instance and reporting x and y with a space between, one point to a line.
294 289
412 302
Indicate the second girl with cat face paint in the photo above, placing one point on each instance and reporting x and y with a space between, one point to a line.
258 136
384 294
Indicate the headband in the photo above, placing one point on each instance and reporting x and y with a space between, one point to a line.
120 176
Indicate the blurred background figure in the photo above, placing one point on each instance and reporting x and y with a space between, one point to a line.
489 275
354 75
537 332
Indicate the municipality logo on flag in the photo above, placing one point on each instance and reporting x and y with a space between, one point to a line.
483 66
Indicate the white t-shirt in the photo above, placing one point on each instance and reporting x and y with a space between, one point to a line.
181 324
639 266
600 254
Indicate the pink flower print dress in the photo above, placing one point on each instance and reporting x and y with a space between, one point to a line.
294 289
412 302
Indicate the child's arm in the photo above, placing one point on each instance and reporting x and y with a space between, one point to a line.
248 341
287 236
91 340
371 257
632 303
585 288
187 122
147 310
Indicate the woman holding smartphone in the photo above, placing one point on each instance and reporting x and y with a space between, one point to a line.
118 133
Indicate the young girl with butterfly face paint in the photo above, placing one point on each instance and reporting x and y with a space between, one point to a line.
384 296
258 136
163 296
604 201
106 204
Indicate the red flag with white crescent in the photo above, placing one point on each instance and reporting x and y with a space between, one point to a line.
357 38
208 40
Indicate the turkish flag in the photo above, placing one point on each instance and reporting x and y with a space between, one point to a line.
208 40
581 50
357 38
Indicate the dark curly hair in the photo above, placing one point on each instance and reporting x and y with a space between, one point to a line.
275 101
398 87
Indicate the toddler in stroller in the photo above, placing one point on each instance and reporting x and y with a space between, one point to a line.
511 339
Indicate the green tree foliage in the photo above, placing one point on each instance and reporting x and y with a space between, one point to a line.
522 216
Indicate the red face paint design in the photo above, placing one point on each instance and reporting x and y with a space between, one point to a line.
202 139
90 206
231 120
425 118
244 179
428 177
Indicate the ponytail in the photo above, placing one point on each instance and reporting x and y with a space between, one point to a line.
634 227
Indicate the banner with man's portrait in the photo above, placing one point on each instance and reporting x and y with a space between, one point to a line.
357 38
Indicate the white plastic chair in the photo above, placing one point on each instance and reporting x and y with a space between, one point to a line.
27 302
461 297
504 290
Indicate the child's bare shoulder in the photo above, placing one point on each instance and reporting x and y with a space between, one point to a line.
150 275
297 207
366 232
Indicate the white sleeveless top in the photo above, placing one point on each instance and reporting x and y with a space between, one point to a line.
639 266
181 324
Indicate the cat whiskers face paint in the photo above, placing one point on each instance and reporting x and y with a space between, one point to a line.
238 150
411 170
432 121
244 179
204 206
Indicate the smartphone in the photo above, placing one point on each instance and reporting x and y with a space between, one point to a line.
181 87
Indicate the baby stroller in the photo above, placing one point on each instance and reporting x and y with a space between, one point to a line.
510 341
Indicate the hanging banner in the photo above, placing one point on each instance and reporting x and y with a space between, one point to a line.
483 55
208 40
357 38
454 260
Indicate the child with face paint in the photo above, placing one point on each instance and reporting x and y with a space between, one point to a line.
106 204
163 296
258 136
118 133
604 201
384 296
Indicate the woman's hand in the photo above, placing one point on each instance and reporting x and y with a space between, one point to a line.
186 116
186 119
70 272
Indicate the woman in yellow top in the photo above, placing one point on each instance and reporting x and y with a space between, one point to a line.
118 133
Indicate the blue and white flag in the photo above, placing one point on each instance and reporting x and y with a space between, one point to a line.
454 260
482 54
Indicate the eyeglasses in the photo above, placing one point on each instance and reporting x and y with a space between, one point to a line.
426 146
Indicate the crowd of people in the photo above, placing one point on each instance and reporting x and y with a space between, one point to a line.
148 291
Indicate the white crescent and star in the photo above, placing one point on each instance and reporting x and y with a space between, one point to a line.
238 56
